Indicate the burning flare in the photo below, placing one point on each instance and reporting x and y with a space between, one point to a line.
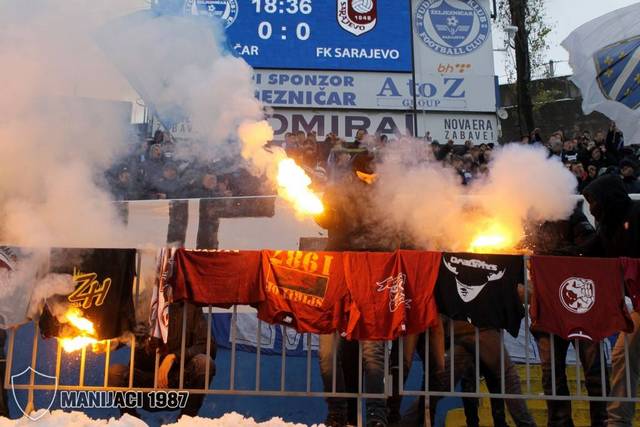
293 185
495 237
84 330
293 182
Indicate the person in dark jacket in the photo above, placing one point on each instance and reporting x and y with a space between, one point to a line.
617 219
350 215
618 235
599 158
567 238
168 374
614 142
351 221
629 172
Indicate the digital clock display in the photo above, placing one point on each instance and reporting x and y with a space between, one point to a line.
359 35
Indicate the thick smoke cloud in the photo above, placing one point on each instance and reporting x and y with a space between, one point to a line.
428 201
188 77
57 140
56 143
60 130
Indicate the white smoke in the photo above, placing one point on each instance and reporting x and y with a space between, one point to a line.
57 138
191 79
63 123
430 203
50 285
528 184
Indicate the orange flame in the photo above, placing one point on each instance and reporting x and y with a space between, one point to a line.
84 329
294 184
495 237
74 317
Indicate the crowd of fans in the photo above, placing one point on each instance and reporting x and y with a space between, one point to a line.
589 156
153 171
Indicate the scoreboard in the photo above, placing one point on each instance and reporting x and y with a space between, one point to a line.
340 65
353 35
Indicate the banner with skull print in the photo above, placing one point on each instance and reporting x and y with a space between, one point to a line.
481 289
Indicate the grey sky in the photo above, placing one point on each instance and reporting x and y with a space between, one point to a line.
565 16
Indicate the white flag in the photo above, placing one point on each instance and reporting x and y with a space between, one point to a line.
605 57
159 314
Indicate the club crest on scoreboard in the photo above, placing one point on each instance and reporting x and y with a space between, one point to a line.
357 16
452 27
227 10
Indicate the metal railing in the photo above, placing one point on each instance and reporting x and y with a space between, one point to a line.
427 391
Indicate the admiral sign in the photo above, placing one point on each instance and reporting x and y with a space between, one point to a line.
342 123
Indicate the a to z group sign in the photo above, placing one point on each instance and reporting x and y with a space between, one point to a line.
362 54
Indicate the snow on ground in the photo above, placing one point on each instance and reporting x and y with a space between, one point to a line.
79 419
69 419
232 419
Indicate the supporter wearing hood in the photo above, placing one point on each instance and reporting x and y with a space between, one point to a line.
617 218
349 214
628 170
618 235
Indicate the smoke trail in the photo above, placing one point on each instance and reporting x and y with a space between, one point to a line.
62 124
188 77
430 203
57 138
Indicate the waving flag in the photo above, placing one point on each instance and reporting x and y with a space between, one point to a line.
158 52
605 57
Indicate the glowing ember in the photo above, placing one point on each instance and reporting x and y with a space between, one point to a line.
293 185
496 238
84 330
77 343
74 316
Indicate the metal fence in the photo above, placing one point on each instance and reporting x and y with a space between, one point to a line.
427 391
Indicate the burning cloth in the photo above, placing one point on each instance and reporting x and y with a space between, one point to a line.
103 293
